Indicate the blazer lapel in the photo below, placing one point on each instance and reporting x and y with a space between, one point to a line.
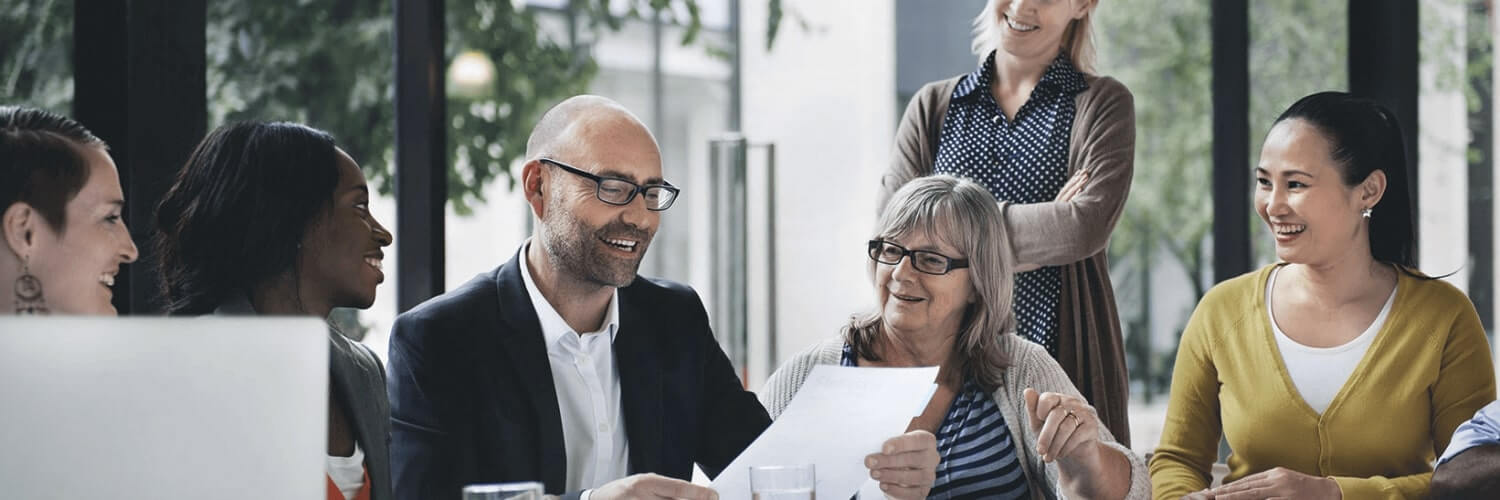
358 387
640 384
520 336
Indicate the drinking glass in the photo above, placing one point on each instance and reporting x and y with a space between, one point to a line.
504 491
782 482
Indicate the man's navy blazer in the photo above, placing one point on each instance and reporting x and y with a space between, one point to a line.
472 397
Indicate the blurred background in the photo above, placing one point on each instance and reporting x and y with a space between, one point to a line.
776 118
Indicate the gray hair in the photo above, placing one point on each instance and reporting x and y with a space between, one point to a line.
1078 41
964 215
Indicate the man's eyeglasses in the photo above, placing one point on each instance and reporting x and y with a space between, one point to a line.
621 192
886 252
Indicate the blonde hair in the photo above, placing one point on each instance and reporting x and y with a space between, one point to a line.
1078 40
964 215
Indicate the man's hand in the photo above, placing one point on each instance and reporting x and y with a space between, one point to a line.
906 465
651 487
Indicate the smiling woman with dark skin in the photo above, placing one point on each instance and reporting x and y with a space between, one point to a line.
274 219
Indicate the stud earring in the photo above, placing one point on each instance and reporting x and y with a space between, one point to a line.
29 299
1366 212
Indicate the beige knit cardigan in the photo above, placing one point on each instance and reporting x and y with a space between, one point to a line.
1074 235
1030 366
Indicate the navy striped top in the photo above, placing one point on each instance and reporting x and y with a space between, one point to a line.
979 458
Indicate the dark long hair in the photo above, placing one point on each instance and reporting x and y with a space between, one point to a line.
238 211
40 163
1367 137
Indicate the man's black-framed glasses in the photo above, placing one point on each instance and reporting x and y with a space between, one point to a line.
886 252
615 191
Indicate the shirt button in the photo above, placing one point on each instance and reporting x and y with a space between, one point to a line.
603 428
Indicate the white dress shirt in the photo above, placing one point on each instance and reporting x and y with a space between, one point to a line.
588 391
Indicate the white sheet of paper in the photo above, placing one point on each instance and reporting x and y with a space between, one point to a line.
840 415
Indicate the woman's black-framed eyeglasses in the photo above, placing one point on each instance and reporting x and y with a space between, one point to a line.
616 191
886 252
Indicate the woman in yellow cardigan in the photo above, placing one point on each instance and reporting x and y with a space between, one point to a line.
1341 371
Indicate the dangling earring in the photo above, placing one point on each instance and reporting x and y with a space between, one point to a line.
1365 212
29 298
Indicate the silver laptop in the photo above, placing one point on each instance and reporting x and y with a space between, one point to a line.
156 408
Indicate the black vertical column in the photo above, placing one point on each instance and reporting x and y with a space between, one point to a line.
1383 61
139 84
1480 83
1231 137
421 151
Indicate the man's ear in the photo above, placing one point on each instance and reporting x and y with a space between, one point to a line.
20 222
533 186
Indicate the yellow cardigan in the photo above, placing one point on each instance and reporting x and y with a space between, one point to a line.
1427 371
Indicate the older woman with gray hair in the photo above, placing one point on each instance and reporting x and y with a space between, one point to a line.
1009 423
1055 144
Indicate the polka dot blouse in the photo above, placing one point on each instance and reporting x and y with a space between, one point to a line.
1021 159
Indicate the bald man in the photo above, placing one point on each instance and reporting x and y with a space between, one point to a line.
565 367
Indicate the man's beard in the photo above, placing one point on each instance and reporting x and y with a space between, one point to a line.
575 248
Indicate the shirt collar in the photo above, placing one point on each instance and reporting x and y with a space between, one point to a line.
554 328
1060 77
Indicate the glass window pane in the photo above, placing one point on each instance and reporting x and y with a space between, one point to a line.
1456 149
553 52
36 54
498 86
1160 252
265 64
1296 48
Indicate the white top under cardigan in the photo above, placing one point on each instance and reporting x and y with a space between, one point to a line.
347 473
1320 372
1030 366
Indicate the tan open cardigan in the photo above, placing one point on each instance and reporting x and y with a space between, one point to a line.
1074 234
1030 367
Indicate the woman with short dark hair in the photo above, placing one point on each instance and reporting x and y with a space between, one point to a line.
1341 371
61 214
274 219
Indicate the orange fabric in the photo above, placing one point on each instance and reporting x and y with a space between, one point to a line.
362 494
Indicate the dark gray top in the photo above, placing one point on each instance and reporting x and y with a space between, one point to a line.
357 379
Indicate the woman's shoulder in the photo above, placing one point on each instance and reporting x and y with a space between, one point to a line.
1239 292
1431 293
787 380
935 91
824 352
1104 84
1031 367
1017 349
355 353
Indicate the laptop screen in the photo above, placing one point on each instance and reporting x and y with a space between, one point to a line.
150 408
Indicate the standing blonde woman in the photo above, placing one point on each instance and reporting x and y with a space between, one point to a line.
1055 144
